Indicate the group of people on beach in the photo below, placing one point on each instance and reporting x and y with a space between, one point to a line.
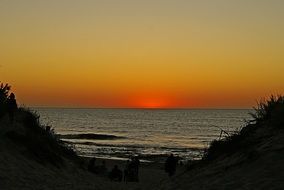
131 169
129 174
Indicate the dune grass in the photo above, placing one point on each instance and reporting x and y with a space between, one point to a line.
271 110
268 113
4 93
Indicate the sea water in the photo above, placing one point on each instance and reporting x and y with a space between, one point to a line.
148 133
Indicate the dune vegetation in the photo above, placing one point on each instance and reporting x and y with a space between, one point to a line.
268 114
40 140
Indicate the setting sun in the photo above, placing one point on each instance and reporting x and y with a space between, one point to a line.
152 103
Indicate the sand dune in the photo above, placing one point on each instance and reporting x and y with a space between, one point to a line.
256 161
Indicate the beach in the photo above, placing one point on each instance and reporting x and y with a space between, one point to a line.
18 172
33 157
151 175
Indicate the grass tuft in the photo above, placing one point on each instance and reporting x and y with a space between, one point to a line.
267 113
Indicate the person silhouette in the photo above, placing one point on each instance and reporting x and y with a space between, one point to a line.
126 171
170 165
12 106
136 168
102 168
116 174
92 165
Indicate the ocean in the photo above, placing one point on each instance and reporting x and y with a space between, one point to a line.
149 133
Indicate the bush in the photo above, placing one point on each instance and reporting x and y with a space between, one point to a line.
269 112
4 93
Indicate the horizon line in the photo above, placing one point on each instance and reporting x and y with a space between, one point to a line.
145 108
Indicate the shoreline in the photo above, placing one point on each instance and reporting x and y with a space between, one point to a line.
108 149
146 158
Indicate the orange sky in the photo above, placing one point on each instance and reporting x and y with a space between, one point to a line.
154 54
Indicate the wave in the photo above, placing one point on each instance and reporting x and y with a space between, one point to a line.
137 146
91 136
148 153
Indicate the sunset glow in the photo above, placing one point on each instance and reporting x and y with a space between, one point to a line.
142 54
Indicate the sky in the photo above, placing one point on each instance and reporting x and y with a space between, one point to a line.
142 53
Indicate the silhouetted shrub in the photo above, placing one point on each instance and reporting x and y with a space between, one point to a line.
4 93
271 110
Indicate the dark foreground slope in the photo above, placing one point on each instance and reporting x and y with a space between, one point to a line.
250 159
32 158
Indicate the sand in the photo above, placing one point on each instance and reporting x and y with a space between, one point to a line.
20 173
151 175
